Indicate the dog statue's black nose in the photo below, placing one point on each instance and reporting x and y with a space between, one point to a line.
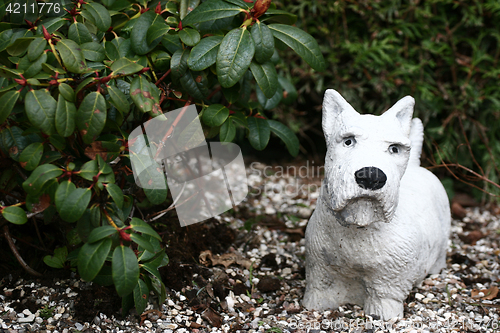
370 178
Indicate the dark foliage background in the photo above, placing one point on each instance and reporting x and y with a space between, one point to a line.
444 53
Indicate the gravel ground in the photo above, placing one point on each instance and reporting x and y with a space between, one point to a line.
268 263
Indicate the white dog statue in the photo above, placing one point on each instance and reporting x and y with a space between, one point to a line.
381 222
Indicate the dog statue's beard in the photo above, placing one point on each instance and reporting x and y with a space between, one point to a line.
352 205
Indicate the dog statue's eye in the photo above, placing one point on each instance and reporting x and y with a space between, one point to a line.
349 141
394 149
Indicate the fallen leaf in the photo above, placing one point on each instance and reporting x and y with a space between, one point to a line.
144 315
458 211
227 259
489 293
212 317
472 237
41 205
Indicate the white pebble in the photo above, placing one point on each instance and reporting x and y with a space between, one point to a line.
419 296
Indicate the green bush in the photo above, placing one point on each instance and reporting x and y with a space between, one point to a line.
77 78
445 53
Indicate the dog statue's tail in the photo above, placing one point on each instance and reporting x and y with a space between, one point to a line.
417 139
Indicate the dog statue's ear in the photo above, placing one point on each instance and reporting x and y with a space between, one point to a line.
402 111
333 105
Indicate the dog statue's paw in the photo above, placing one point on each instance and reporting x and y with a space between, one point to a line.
317 300
384 308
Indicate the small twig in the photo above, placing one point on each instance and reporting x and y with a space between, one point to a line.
38 232
162 78
216 90
21 173
156 216
16 253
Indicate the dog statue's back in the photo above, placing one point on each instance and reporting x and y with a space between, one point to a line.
381 222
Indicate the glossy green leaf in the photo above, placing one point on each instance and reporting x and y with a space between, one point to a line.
58 259
116 194
36 48
195 84
264 42
143 94
159 288
171 42
104 277
136 238
67 92
31 156
178 63
204 54
112 51
52 25
91 258
7 103
161 60
187 6
157 30
147 256
84 84
234 56
279 16
118 99
32 68
104 167
13 141
156 196
127 304
39 177
19 46
89 170
227 131
65 117
144 228
91 116
5 38
93 51
286 135
101 232
211 10
9 72
100 15
71 55
259 132
189 36
138 35
151 268
64 189
266 77
79 33
215 115
41 107
57 141
125 66
15 215
289 92
302 43
269 103
75 204
141 296
50 156
125 270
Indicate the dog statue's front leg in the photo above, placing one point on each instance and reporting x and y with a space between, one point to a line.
386 308
321 293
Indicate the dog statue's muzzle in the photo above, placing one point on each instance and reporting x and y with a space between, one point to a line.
370 178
